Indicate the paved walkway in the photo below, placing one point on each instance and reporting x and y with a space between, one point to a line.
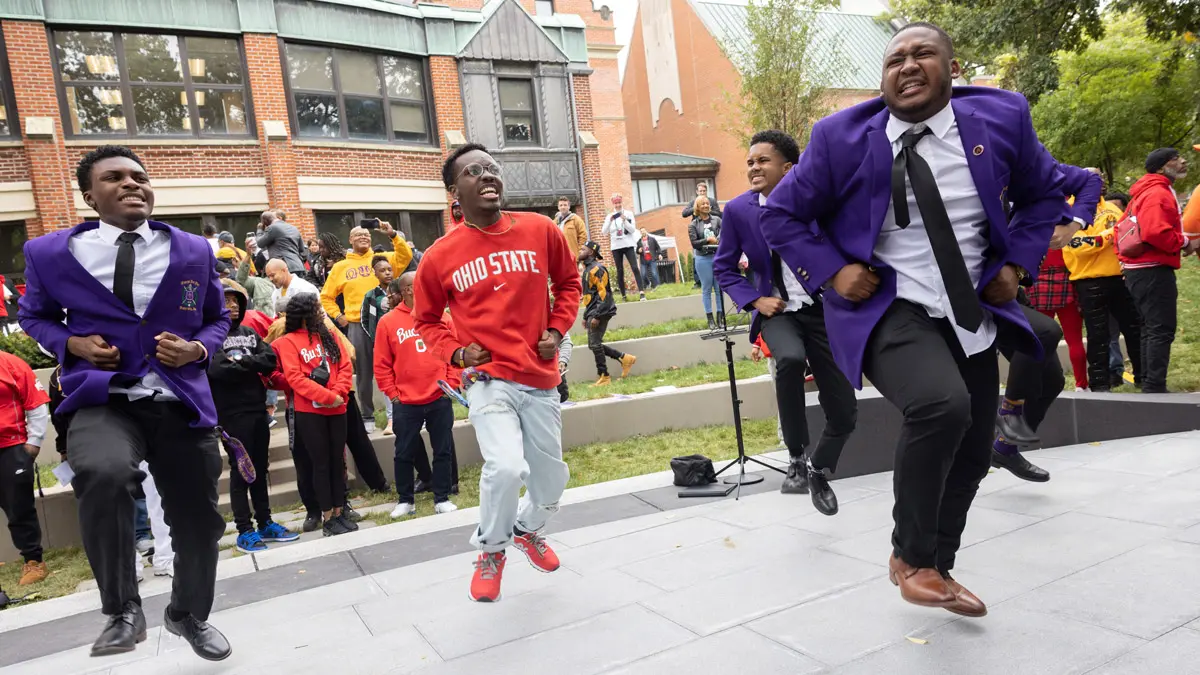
1094 572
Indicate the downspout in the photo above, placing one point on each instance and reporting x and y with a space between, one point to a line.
578 151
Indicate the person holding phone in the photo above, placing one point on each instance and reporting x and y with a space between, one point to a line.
318 371
279 239
351 279
622 230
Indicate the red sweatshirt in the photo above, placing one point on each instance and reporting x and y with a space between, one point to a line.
405 368
1153 201
494 282
257 321
299 353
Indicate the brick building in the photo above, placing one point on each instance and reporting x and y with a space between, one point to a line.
332 110
675 86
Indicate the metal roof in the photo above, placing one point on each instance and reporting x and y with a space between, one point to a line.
861 39
653 159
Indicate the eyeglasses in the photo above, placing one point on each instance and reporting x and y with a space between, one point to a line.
476 170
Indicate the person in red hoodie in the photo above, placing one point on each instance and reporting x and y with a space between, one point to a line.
492 272
408 373
1150 276
320 377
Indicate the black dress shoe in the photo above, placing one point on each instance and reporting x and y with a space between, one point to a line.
796 480
122 632
1020 467
206 641
823 498
1016 430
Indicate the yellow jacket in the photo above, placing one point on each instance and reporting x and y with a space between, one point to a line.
1090 254
353 277
232 255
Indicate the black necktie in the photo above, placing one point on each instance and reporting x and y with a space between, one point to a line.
777 276
961 292
123 275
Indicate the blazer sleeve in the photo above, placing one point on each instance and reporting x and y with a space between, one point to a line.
40 315
789 223
725 265
1085 187
1036 191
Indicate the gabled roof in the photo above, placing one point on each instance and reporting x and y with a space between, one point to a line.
508 33
861 39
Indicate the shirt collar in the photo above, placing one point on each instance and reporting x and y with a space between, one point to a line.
762 199
940 123
109 233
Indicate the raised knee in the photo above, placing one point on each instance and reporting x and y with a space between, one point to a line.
787 363
951 408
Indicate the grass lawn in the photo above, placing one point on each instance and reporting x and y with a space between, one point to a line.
664 291
68 567
677 326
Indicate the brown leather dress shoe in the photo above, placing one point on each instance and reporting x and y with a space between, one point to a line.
965 602
922 586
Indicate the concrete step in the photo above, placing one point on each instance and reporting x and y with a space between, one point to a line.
634 314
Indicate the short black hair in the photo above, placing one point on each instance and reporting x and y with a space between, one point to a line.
83 173
784 144
448 174
933 27
376 259
1117 197
209 229
394 286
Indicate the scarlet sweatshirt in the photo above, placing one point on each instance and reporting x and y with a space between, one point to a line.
494 281
299 353
405 368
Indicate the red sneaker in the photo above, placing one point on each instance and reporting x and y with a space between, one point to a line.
485 584
534 546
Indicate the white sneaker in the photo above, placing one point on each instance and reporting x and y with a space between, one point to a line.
370 426
402 510
164 571
144 546
140 572
444 507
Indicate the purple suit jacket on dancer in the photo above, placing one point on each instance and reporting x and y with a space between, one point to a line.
189 302
827 211
1086 187
740 233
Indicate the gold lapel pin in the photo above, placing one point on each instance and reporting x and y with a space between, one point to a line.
978 150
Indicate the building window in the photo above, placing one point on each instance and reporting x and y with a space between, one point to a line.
143 84
12 250
338 93
544 7
649 194
517 112
240 225
420 228
8 112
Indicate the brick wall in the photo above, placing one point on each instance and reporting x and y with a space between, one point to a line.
165 162
339 162
36 96
14 165
447 92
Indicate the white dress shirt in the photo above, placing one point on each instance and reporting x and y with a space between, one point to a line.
297 286
96 251
797 296
908 250
622 233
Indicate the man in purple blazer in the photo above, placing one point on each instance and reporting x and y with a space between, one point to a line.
132 308
792 324
1034 384
897 212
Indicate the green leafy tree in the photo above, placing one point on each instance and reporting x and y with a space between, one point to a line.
1119 98
787 68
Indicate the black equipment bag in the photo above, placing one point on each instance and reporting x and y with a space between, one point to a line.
693 470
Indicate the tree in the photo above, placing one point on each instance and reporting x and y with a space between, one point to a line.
1119 98
787 68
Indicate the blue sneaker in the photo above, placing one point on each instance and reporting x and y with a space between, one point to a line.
276 532
250 542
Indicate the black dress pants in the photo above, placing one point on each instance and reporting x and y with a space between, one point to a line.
105 444
304 475
366 462
421 458
438 419
16 500
1156 296
626 253
1038 383
948 400
325 440
1099 299
795 338
253 430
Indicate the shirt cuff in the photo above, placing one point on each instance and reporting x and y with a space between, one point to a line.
1082 224
203 350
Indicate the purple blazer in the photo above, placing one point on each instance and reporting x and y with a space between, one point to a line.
62 300
827 212
740 233
1086 187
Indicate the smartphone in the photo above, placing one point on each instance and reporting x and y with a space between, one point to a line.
251 235
369 223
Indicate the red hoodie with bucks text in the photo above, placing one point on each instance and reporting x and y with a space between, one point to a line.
494 281
299 353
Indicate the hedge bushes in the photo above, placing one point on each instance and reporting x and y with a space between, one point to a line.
23 347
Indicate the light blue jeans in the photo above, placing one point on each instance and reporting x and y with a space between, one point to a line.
520 437
704 269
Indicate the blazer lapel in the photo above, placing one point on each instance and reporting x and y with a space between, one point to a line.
169 286
977 143
880 151
71 269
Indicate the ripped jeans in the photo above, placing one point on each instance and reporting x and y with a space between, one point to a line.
520 437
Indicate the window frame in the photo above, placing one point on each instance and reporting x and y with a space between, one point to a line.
126 86
10 96
680 183
537 3
535 126
343 136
